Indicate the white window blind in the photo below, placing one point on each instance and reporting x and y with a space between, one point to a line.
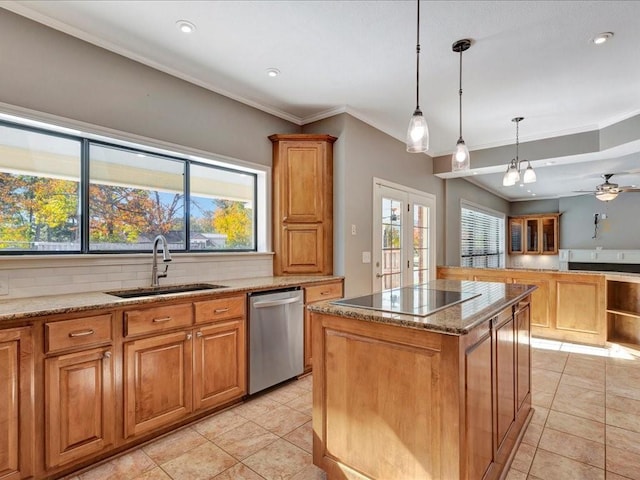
481 238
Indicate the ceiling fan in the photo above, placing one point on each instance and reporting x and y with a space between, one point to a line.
608 191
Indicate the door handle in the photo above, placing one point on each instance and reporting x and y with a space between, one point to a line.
379 275
275 303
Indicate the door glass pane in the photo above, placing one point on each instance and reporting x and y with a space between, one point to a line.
391 243
420 244
133 198
39 192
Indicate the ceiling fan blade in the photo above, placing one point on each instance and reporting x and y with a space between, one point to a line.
629 189
585 191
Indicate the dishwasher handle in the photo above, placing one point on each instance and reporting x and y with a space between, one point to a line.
275 303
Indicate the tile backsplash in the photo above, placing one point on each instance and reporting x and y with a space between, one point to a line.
29 276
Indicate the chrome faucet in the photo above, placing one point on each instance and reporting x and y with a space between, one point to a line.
166 258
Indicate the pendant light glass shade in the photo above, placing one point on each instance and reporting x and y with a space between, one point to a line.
512 175
529 175
418 131
460 160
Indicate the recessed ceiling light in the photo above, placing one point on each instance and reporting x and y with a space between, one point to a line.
521 185
273 72
185 26
551 162
533 194
475 173
602 38
528 191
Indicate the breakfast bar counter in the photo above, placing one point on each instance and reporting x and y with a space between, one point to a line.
425 382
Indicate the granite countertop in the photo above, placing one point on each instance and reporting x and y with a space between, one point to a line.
24 308
632 277
458 319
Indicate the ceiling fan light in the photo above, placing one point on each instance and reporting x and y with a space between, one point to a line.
460 160
529 175
606 196
417 133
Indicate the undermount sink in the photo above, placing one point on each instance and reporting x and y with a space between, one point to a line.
163 290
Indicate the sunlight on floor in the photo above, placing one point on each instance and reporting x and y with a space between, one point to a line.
614 351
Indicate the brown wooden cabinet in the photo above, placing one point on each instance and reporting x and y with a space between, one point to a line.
454 409
219 363
171 375
523 351
158 374
533 234
79 405
303 204
567 306
505 381
623 311
479 406
313 294
17 438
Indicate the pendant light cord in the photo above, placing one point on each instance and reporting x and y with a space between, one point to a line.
517 141
418 59
460 96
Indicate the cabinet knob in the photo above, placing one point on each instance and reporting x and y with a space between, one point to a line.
107 354
189 336
199 334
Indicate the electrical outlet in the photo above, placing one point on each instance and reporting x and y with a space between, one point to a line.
4 284
366 257
353 229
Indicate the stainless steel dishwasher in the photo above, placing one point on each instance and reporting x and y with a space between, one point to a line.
276 337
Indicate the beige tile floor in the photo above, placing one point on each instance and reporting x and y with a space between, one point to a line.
586 426
586 423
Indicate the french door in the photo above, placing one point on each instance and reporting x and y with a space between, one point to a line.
404 236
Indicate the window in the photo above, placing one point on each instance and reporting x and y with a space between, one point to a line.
481 237
39 192
131 194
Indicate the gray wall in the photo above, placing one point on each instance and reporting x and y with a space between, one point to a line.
369 153
457 189
621 229
51 72
532 207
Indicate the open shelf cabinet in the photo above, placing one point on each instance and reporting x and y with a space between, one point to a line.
623 313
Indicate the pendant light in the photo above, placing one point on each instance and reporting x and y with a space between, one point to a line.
512 175
460 160
418 131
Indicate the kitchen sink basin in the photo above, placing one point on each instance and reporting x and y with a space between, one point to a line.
163 290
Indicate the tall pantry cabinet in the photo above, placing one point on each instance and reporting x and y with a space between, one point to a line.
303 204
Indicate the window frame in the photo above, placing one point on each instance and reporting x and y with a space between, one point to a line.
499 242
86 139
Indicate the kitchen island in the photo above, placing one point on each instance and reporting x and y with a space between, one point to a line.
442 395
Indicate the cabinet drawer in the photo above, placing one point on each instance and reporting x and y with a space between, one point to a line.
317 293
158 319
79 332
219 309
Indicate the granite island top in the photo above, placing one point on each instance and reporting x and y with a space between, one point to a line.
457 319
29 307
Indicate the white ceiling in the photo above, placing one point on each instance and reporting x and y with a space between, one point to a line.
529 58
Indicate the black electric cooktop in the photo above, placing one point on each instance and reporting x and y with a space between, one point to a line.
416 300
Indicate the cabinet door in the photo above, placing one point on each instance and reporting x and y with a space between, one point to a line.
523 335
302 188
302 248
219 364
549 235
505 379
316 293
17 408
478 406
79 405
531 229
157 384
516 237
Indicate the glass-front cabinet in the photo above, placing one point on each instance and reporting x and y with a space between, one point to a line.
534 234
